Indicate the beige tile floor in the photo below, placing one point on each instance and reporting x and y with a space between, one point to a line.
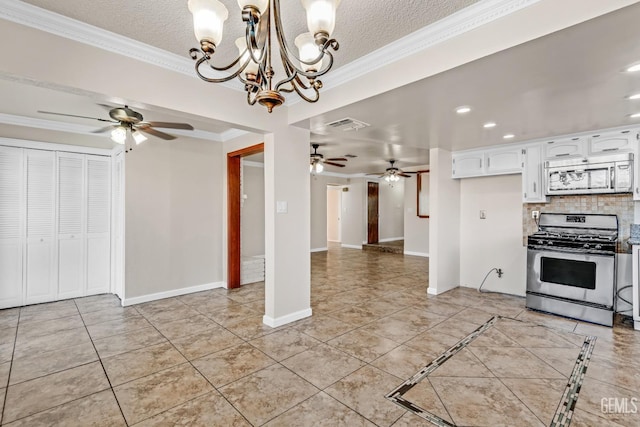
207 359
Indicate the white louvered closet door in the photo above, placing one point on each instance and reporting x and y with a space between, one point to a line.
98 224
40 221
11 226
71 224
118 225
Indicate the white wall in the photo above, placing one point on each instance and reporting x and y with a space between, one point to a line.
495 241
318 185
334 197
354 213
252 213
391 210
173 216
444 224
416 229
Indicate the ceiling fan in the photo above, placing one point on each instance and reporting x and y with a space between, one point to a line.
125 119
317 160
392 173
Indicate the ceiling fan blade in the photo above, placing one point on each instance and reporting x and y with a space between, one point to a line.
108 107
170 125
377 173
408 172
404 175
333 164
102 130
80 117
337 159
154 132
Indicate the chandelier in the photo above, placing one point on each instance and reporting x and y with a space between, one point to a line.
253 64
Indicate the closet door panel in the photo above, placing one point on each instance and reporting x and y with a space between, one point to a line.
98 224
40 221
71 258
11 231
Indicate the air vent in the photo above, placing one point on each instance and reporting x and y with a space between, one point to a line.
348 124
350 156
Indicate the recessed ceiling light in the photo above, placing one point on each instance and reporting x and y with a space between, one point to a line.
634 96
463 109
509 136
633 68
489 125
635 116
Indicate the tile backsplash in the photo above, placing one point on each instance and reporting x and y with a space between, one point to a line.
618 204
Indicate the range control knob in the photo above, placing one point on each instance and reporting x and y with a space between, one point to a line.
586 246
598 246
540 242
550 242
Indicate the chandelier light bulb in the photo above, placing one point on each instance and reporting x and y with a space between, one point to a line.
319 167
252 67
308 51
261 5
119 135
321 15
208 20
138 137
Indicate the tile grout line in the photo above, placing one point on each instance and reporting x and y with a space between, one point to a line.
13 351
102 365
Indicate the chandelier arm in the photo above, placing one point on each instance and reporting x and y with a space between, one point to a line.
194 52
252 40
216 80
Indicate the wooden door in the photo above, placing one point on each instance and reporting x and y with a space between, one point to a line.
372 215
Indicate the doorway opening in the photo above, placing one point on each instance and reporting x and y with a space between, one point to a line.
234 213
334 213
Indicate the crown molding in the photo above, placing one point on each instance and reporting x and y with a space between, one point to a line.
54 146
32 122
72 29
456 24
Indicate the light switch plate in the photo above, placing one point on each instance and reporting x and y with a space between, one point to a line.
282 207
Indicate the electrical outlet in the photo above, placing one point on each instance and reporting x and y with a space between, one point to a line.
500 273
483 214
535 214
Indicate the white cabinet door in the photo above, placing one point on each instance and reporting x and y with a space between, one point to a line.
40 221
11 226
98 224
533 175
613 142
503 161
468 164
573 147
71 214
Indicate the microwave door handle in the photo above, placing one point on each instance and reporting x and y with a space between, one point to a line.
613 177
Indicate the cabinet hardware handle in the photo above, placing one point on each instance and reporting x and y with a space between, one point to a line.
42 240
610 149
489 162
534 187
562 155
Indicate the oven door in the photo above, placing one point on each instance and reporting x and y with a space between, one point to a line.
575 276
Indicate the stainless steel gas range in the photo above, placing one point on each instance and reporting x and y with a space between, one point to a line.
571 266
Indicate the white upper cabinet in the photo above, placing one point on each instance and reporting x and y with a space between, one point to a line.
487 162
503 161
11 226
563 148
613 142
468 164
533 175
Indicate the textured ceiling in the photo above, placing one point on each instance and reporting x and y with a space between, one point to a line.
362 25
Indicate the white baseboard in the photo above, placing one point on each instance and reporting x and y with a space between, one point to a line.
432 291
334 241
283 320
422 254
390 239
172 293
351 246
319 250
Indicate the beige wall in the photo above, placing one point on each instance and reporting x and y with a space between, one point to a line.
252 220
173 216
495 241
390 210
416 230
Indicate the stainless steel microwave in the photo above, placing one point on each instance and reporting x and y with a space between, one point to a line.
593 175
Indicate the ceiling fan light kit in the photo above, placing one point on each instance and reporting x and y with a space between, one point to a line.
253 66
317 160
